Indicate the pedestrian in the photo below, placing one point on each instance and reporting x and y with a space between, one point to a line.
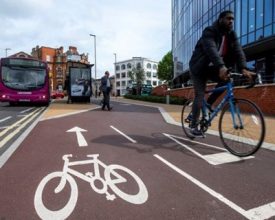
106 88
217 51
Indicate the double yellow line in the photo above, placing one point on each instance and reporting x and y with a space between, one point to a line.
19 126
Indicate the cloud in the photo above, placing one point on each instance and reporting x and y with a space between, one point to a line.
127 28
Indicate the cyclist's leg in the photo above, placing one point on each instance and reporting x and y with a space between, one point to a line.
199 84
213 75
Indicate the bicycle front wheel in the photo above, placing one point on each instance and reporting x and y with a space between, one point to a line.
242 127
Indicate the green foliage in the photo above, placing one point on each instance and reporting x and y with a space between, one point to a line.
157 99
165 68
137 75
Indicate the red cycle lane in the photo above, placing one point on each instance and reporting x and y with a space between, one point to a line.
105 175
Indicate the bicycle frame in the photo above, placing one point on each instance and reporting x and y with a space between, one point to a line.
88 177
229 97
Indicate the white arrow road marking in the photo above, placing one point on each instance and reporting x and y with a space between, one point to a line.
80 138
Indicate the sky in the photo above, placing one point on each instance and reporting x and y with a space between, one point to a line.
129 28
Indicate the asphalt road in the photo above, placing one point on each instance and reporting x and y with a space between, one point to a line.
129 163
14 121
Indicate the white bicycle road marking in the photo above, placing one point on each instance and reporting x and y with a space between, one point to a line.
111 179
124 135
259 213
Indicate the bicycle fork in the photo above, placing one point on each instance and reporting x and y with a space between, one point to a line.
236 115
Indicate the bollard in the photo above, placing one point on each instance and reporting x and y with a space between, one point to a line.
168 97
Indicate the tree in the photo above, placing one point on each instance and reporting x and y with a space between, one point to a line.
137 75
165 68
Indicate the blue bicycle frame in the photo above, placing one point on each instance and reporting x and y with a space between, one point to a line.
229 97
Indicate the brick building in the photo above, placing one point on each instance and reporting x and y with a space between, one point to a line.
57 60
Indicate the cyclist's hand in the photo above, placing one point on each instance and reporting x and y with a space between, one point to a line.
249 75
224 73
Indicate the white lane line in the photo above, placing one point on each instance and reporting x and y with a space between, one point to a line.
6 155
204 187
17 130
120 132
213 159
259 213
5 119
195 142
26 110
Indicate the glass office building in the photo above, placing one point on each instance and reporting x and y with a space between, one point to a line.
254 24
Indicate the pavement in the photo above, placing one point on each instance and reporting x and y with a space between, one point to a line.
171 113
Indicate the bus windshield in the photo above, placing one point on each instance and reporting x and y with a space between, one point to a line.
23 78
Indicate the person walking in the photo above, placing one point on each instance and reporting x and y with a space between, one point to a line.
216 52
106 88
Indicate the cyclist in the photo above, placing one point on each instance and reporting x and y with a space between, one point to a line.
216 51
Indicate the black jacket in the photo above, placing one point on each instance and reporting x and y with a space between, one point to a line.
206 50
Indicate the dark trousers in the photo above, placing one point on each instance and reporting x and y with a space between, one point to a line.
106 99
199 84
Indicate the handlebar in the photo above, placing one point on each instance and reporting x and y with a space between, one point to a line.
251 84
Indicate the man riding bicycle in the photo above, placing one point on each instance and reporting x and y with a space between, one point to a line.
216 51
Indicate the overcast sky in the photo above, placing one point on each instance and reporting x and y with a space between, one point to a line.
128 28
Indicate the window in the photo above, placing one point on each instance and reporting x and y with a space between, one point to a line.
259 14
129 65
117 83
154 74
117 75
48 58
267 12
251 37
268 31
148 82
244 17
251 17
123 83
149 74
149 66
123 67
138 65
154 83
154 66
123 75
117 67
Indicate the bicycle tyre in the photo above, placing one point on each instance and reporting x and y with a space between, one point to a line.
63 213
139 198
244 140
185 124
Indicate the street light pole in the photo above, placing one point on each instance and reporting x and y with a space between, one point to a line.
115 76
7 51
93 35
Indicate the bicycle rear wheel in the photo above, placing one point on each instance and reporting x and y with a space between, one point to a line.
246 135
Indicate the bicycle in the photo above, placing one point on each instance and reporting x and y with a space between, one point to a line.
241 123
111 179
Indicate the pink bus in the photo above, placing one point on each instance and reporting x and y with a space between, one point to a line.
24 80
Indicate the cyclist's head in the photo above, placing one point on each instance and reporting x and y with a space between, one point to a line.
226 19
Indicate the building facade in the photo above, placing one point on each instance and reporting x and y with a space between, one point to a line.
57 61
122 69
254 25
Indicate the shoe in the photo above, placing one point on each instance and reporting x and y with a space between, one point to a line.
110 108
195 132
189 118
